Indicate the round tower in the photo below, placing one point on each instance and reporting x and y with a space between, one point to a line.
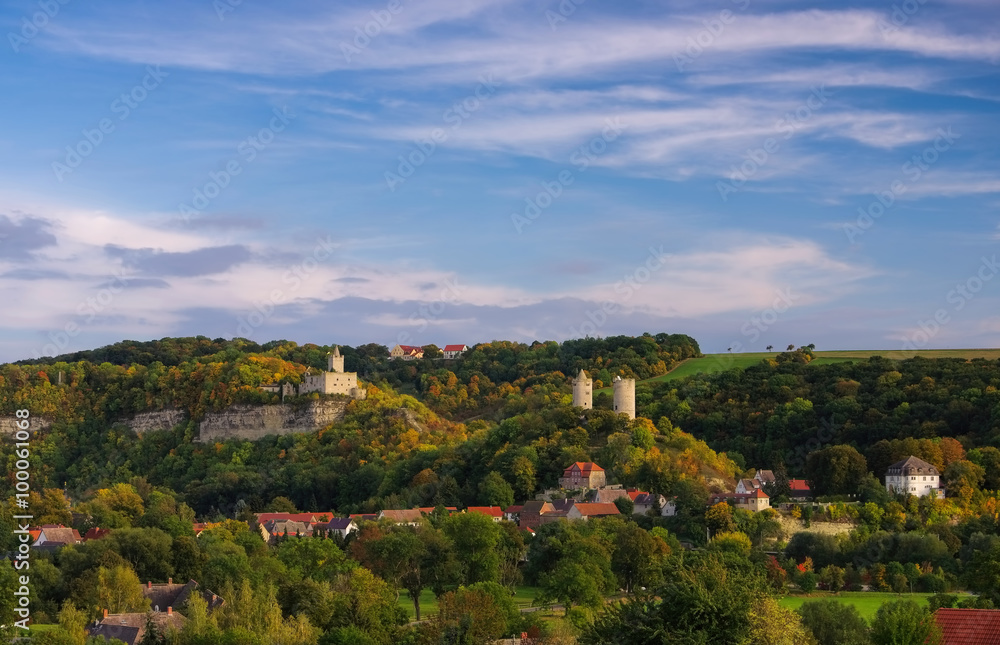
583 389
334 361
625 396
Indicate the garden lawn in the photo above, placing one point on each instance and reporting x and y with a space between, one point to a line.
867 602
523 597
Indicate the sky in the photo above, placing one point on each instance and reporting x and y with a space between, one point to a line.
748 172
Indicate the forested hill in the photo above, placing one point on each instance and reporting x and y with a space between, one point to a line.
778 411
497 425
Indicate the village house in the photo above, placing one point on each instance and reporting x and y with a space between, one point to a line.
585 511
913 476
130 628
609 494
493 512
339 526
646 502
163 596
583 475
406 352
800 490
530 515
409 517
454 351
754 502
53 536
271 530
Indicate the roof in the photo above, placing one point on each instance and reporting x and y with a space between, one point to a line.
766 476
305 518
287 527
536 506
410 349
912 466
404 515
759 494
130 628
364 516
585 467
60 535
492 511
96 533
455 348
596 510
513 509
799 485
336 524
750 484
969 626
646 499
611 494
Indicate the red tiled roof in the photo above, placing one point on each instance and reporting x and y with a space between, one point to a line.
96 533
759 494
594 510
513 509
969 626
585 468
799 484
492 511
430 509
305 518
455 348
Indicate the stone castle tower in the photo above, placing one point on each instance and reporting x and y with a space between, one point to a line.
583 391
625 396
334 361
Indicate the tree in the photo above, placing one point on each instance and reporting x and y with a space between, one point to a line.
432 351
638 557
835 470
832 577
523 471
495 491
963 478
119 591
705 602
731 542
475 538
834 623
719 518
625 506
772 624
904 622
988 458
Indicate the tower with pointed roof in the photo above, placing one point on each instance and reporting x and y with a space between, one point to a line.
334 361
583 391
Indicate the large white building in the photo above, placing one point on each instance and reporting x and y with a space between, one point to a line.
913 476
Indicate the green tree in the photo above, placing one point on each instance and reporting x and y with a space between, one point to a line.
495 491
638 557
834 623
475 538
719 518
904 622
835 470
119 590
987 458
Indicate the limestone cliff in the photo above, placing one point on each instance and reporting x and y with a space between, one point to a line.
156 421
8 425
256 421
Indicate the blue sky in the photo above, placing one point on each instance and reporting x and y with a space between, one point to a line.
749 173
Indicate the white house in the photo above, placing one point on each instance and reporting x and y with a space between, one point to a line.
914 476
454 351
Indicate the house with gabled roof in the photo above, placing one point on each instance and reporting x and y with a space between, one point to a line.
409 517
339 526
493 512
454 351
163 596
968 626
130 628
406 352
585 510
583 474
914 476
56 535
271 530
530 515
646 502
754 502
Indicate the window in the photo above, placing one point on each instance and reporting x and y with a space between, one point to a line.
913 478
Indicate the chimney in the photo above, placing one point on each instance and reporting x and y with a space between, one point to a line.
170 611
105 613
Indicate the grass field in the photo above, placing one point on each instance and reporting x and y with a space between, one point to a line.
713 363
429 604
867 602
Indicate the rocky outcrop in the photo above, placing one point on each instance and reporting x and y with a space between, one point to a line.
156 421
8 425
257 421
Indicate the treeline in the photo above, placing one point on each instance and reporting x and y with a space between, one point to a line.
778 412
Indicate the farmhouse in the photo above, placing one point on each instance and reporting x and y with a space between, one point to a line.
406 352
583 474
454 351
913 476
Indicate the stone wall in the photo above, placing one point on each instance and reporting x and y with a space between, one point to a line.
257 421
160 420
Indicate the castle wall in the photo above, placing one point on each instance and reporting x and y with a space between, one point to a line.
329 383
